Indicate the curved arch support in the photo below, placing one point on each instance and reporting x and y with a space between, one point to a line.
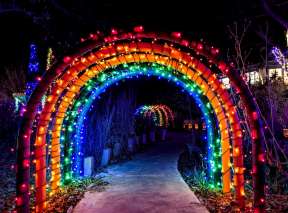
192 60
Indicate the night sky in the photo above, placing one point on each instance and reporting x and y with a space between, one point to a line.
51 22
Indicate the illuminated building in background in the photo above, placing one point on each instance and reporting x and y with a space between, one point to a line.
257 75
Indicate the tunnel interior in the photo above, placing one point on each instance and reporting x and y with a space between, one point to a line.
111 120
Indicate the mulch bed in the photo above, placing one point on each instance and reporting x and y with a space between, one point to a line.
216 202
67 198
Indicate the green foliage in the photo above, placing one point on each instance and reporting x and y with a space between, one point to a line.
195 177
198 182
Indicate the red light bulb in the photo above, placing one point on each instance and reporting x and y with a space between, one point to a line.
222 66
139 29
19 201
254 116
199 46
254 134
261 158
67 59
26 163
23 187
114 31
185 43
176 34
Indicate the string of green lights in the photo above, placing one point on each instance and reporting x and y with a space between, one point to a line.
70 146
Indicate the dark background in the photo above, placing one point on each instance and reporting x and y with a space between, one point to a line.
54 23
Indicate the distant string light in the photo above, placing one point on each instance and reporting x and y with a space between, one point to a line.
34 64
50 57
279 57
33 71
20 100
287 37
161 114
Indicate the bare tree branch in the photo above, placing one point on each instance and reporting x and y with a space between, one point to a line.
12 81
237 35
274 15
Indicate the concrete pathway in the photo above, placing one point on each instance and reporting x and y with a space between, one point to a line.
149 183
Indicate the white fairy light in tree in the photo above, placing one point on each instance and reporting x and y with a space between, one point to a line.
287 37
279 56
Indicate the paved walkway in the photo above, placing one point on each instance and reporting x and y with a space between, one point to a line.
149 183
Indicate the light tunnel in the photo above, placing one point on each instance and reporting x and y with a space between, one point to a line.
56 176
64 82
77 120
162 114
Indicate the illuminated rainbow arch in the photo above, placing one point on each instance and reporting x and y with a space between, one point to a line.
195 61
74 120
170 115
162 114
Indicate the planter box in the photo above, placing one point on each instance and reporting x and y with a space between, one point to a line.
137 140
163 134
144 139
152 137
106 155
117 150
131 144
88 166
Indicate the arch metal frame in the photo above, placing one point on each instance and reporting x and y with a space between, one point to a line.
85 105
111 51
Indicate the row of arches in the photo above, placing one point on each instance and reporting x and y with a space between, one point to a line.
75 116
190 64
161 114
